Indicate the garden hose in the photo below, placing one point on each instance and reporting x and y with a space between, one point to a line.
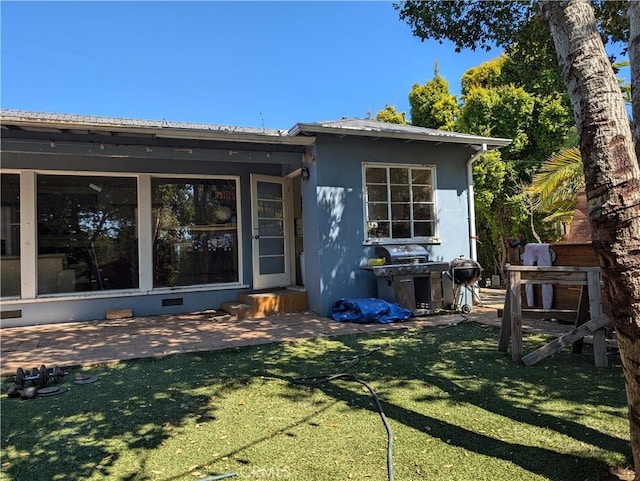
343 375
317 380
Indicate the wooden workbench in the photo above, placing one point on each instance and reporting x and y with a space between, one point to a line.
590 319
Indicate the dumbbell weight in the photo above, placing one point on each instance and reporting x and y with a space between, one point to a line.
44 376
39 377
57 374
20 378
35 376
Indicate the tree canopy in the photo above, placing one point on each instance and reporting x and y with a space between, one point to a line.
486 25
579 30
390 115
432 105
519 95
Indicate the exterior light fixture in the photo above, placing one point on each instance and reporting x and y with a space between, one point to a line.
304 173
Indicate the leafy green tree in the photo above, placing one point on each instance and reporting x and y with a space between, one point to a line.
390 115
486 75
498 209
432 105
610 160
493 106
498 111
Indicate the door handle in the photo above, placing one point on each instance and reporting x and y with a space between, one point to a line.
257 236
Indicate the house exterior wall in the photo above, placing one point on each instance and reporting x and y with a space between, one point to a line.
334 211
333 237
79 158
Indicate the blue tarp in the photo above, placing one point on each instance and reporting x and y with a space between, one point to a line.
368 310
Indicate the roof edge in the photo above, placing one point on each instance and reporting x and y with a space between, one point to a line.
158 129
429 135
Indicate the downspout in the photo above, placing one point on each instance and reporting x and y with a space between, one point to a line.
473 236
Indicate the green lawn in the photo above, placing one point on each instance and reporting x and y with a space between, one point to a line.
459 410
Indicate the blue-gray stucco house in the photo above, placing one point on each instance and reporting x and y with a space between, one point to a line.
102 213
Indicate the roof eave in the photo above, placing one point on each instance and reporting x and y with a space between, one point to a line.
164 132
441 136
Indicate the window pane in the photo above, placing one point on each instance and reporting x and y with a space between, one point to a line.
10 235
270 247
378 229
87 233
377 193
424 229
195 231
422 193
399 193
269 190
272 265
374 175
401 230
270 208
423 212
378 212
421 176
400 212
399 176
270 227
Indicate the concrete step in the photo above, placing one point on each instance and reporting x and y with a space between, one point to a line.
267 303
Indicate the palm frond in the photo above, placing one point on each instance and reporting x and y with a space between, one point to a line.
559 180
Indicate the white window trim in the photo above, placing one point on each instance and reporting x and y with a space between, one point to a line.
237 180
435 239
29 248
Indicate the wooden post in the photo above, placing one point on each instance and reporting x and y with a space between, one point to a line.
505 328
595 306
581 317
515 314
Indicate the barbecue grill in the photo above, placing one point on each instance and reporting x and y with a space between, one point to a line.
464 273
408 278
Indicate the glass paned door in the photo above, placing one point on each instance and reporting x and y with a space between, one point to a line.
270 226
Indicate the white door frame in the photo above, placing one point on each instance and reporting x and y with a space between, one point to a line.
278 279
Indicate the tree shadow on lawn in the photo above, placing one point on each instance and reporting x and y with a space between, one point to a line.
435 364
81 433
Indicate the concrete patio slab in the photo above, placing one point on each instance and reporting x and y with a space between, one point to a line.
105 341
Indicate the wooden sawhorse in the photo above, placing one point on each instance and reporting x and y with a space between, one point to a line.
590 303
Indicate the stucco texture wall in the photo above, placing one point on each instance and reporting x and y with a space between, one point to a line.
334 212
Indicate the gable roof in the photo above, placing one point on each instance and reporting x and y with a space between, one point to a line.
299 134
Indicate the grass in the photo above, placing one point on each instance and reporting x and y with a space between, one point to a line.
459 410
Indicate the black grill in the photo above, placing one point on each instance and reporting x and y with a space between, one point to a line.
465 271
408 278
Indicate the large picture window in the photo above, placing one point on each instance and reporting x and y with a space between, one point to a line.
399 202
10 235
195 231
87 233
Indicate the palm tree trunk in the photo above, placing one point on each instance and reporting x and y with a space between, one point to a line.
612 179
634 60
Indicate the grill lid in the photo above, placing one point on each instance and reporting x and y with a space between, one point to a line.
465 271
402 254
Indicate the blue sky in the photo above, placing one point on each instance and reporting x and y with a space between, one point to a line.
253 64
